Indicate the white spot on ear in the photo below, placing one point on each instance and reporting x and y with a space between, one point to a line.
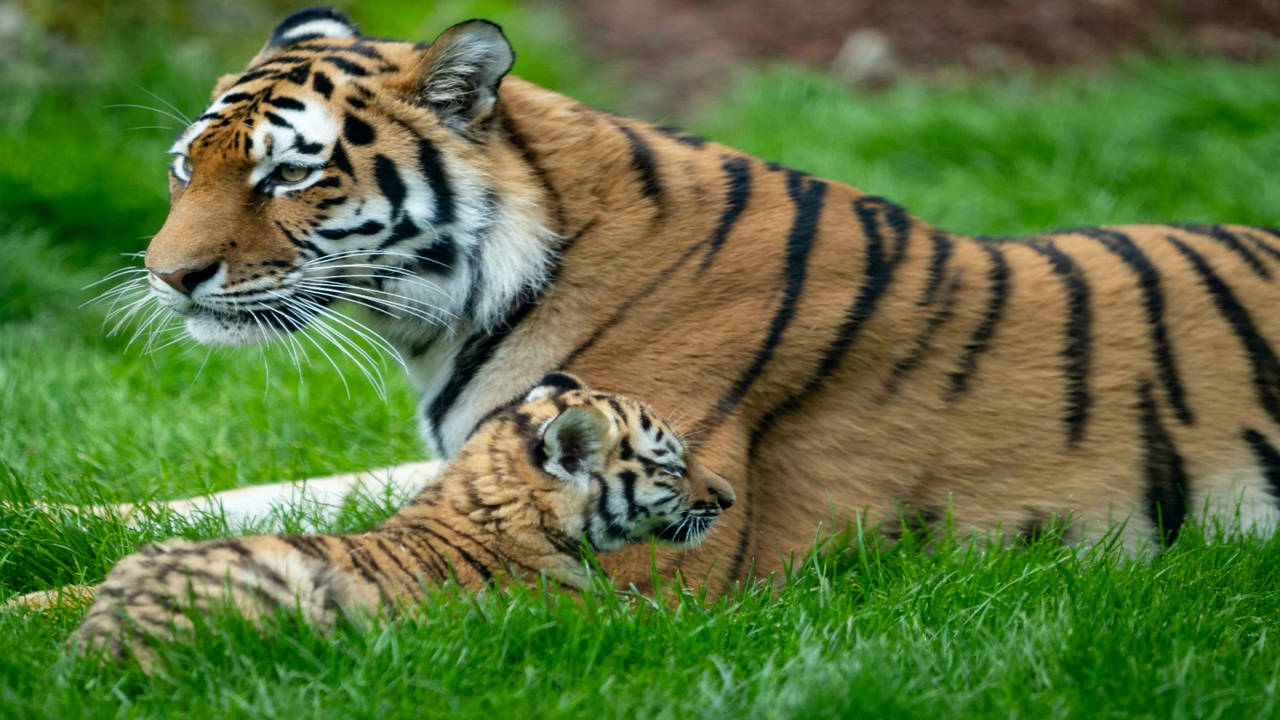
326 27
540 392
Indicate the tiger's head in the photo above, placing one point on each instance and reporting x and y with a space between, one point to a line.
339 167
589 465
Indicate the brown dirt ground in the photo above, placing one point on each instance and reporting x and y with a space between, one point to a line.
682 47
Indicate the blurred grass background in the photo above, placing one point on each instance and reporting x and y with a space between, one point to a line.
84 418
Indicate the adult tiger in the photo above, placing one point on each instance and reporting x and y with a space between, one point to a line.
838 355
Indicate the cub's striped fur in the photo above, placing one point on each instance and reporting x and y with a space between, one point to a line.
840 356
518 501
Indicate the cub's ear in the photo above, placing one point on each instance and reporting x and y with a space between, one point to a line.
553 384
575 444
309 24
459 74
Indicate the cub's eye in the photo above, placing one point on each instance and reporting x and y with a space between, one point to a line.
292 173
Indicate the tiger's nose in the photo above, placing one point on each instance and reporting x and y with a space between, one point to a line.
186 280
723 501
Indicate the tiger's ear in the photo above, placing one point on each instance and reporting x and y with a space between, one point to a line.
575 444
553 383
459 74
316 22
308 24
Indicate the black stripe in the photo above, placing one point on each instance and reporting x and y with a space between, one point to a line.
307 545
345 65
366 569
878 275
628 479
301 145
680 136
287 103
1153 299
1230 242
1266 369
1264 246
744 541
942 247
518 141
431 168
1162 467
276 120
611 524
356 131
440 257
388 179
1268 458
807 195
341 161
331 202
998 276
645 164
236 97
411 535
1075 353
466 556
738 172
322 84
390 553
369 227
480 346
254 75
401 231
299 242
922 343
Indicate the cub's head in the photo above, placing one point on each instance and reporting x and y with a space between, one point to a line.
342 167
601 466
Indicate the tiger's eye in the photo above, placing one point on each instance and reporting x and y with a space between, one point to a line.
187 166
292 173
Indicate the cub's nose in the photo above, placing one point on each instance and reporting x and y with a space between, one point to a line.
187 280
724 502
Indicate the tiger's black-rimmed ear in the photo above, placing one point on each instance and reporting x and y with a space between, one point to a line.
309 24
554 383
576 443
316 22
459 74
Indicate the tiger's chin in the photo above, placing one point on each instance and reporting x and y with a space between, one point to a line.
243 329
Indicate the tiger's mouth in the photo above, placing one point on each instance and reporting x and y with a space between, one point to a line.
691 529
222 322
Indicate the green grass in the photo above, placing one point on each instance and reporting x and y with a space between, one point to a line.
902 632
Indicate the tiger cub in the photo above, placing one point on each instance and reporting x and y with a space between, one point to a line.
530 486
